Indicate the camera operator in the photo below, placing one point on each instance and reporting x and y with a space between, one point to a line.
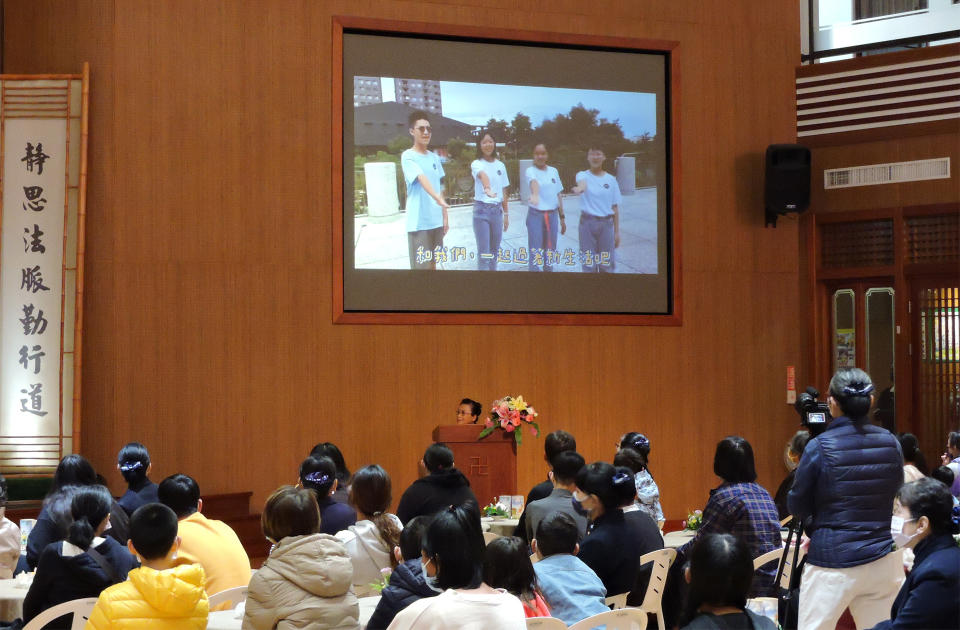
843 492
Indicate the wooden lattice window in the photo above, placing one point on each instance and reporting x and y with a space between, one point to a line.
933 239
857 244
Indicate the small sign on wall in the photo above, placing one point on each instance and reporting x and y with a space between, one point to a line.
43 178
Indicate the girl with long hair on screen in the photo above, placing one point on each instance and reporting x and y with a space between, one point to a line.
490 205
544 212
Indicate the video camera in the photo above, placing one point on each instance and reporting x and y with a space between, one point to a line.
814 414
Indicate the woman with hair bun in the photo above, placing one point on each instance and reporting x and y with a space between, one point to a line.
844 488
611 547
133 462
82 565
370 541
648 494
319 473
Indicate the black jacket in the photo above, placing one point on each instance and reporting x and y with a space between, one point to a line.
55 518
135 496
612 549
406 586
648 535
929 598
432 493
62 578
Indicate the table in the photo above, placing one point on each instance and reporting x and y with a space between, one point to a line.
11 599
501 526
228 620
677 539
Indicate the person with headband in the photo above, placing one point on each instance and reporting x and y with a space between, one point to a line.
320 475
306 580
370 541
843 492
924 520
82 565
742 507
331 450
611 547
133 462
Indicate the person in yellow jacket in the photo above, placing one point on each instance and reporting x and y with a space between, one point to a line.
210 543
159 595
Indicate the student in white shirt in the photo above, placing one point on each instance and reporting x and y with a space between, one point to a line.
599 214
544 212
452 560
490 206
427 221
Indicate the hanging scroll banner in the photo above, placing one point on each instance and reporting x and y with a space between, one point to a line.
43 122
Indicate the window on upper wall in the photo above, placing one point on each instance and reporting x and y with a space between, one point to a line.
841 29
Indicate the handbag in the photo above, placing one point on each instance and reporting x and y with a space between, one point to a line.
788 599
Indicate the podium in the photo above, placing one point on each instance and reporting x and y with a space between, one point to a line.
490 464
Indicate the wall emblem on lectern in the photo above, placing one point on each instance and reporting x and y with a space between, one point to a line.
479 466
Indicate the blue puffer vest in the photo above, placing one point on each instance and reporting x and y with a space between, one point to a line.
846 482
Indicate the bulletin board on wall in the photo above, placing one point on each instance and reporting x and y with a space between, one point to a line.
43 166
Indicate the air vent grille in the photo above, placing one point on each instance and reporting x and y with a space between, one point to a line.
892 173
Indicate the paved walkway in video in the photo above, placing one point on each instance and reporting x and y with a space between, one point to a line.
381 243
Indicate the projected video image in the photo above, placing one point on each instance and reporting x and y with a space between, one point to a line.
461 176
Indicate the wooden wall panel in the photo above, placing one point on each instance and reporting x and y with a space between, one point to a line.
208 315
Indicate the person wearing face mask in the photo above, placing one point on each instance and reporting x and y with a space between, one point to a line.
407 582
612 548
844 487
452 561
923 521
791 458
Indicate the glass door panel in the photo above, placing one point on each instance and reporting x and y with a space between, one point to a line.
879 339
844 351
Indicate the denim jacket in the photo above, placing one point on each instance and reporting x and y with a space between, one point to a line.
571 589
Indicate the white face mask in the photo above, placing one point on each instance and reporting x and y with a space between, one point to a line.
430 581
896 530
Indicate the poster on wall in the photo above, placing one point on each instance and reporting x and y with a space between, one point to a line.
845 354
43 139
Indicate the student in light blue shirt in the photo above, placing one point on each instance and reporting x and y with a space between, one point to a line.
545 211
427 221
599 214
489 201
571 589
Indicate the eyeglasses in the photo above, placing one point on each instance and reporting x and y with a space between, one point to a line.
423 129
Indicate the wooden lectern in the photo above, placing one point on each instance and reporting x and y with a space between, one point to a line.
490 464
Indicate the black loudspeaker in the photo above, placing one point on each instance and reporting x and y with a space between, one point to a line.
786 181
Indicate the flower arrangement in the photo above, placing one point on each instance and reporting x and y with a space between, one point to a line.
495 510
511 414
384 580
694 520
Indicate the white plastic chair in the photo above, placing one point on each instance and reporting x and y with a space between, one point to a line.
623 619
617 601
79 608
653 598
546 623
233 595
775 554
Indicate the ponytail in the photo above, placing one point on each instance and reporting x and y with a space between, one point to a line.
389 533
81 533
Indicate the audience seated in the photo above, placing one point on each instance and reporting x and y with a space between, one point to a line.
944 475
912 455
647 533
791 458
951 459
407 582
320 475
73 472
329 449
370 541
555 443
571 589
611 549
648 493
453 563
845 484
82 565
159 595
563 476
742 507
442 486
923 521
720 575
9 537
506 565
133 462
305 583
210 543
